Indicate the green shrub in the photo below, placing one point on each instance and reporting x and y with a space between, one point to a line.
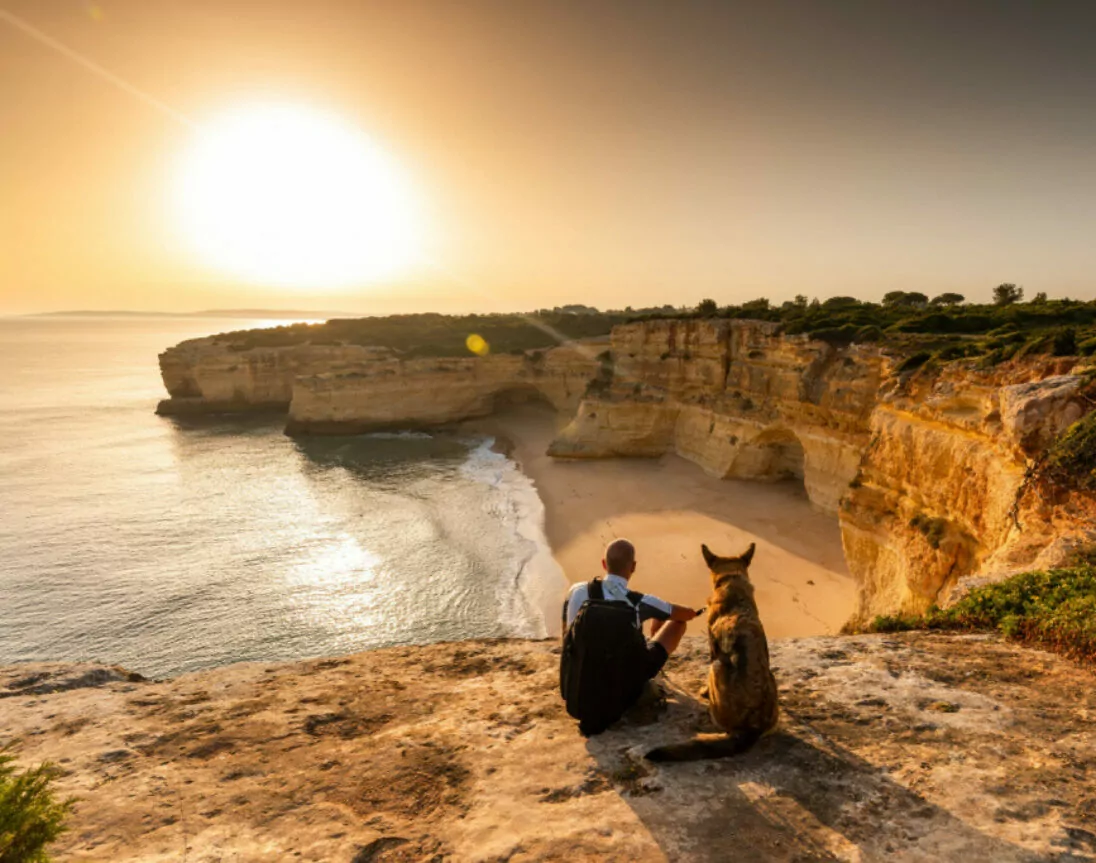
1065 342
914 362
30 816
1054 608
869 333
933 529
1087 348
1070 461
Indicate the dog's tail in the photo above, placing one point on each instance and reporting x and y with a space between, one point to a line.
699 748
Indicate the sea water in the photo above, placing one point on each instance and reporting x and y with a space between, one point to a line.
172 544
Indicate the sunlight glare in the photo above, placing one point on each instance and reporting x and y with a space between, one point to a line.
297 197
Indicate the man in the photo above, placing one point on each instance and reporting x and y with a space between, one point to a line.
605 661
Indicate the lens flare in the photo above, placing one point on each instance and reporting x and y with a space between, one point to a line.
477 345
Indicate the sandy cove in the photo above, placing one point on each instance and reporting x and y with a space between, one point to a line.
668 507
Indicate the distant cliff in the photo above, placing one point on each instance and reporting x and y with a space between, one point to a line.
931 471
347 389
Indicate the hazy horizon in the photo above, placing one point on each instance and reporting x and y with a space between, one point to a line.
613 154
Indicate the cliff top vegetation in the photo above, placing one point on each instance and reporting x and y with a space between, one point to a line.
435 334
926 330
1055 609
909 323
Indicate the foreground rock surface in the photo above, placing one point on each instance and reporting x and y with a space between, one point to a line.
916 747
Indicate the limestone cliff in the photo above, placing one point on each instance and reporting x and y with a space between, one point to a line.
928 471
944 496
346 389
209 375
736 398
370 393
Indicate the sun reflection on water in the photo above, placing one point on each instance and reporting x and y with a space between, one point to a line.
336 585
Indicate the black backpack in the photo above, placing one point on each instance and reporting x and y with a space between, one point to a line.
602 663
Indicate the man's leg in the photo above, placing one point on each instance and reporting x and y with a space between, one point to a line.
669 634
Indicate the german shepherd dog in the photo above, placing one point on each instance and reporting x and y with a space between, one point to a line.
741 690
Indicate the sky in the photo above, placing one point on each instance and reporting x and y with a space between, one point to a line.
616 154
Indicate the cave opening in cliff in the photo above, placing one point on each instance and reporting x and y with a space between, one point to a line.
512 397
772 456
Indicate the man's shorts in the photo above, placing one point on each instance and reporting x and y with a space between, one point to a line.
656 658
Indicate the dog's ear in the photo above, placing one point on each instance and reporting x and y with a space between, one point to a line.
748 556
709 558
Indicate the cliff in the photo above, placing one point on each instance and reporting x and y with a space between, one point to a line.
347 389
929 471
736 398
364 392
906 748
946 494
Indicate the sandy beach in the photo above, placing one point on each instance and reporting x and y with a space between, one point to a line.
668 507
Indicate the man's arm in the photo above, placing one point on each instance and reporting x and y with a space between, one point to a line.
651 607
680 612
571 604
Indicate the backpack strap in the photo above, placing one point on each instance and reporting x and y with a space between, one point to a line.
596 590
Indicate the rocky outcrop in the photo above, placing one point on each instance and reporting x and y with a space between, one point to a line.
385 392
347 389
906 748
736 398
211 376
944 496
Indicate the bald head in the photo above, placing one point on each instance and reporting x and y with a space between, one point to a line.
620 558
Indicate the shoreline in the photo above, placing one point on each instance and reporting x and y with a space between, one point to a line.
668 507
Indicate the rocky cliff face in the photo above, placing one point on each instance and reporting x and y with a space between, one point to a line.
737 399
346 389
208 376
926 471
943 498
369 392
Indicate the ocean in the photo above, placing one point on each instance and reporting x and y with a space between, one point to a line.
168 545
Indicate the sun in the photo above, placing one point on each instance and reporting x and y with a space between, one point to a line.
293 196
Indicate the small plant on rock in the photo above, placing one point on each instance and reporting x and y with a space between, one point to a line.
31 817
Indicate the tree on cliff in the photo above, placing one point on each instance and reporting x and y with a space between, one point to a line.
841 303
707 308
948 299
761 304
905 298
1007 294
